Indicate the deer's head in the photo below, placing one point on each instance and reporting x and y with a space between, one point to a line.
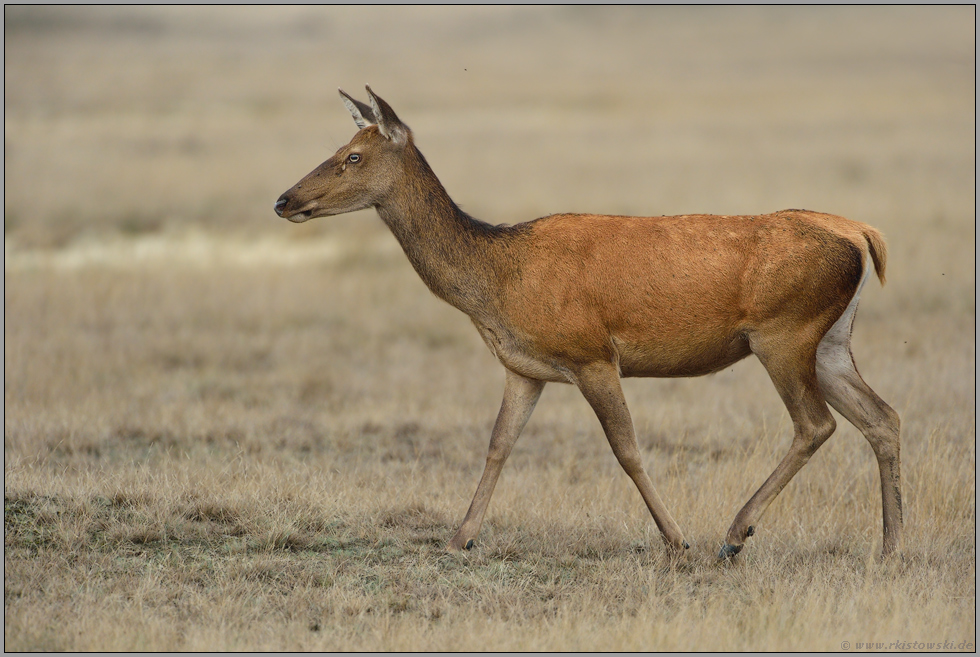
360 174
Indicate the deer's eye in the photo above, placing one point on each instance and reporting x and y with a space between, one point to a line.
353 158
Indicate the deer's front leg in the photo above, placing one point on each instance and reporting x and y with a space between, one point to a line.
599 383
520 396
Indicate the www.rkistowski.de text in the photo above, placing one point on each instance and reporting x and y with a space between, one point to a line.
908 645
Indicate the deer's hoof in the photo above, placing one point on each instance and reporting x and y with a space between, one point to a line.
469 545
729 551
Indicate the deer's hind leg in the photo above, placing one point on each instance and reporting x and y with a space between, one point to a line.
790 361
847 392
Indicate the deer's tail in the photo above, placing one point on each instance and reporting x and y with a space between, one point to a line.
878 250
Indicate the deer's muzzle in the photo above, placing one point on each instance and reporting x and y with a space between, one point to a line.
280 205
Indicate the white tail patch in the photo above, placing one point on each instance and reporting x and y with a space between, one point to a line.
834 351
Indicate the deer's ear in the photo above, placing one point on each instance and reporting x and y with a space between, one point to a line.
362 112
388 122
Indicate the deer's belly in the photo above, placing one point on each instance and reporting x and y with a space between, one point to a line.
698 353
652 358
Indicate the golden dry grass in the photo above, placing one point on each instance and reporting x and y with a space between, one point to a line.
222 431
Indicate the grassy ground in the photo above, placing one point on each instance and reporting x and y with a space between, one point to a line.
225 432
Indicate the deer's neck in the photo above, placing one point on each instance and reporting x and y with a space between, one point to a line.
451 251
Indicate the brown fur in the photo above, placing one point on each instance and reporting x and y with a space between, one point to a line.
586 299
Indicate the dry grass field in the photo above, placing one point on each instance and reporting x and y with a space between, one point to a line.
223 431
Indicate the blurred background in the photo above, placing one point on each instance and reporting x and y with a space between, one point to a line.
124 123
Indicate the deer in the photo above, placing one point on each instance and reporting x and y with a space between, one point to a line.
587 299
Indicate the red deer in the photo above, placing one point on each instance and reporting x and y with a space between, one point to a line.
586 299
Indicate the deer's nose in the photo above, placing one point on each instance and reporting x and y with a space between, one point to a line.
280 204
